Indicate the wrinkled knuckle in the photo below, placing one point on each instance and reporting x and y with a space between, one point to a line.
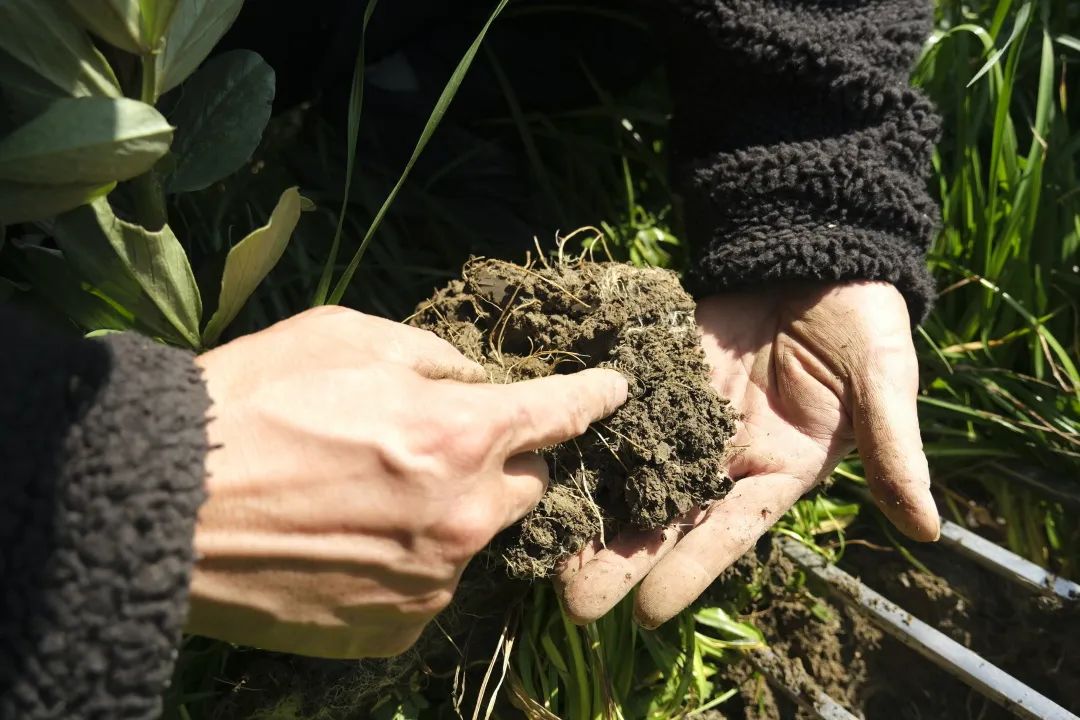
468 437
580 420
424 608
468 529
576 418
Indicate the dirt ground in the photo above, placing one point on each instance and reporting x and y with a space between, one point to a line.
874 676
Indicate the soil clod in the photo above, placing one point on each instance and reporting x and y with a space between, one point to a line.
658 456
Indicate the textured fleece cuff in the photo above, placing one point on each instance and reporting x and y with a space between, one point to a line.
799 149
825 210
103 465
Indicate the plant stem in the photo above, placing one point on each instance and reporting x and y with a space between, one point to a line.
148 93
579 669
147 188
150 201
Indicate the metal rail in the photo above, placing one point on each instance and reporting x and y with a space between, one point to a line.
802 690
998 560
1002 562
943 651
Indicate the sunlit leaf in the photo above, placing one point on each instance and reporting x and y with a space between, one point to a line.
86 140
20 202
132 25
117 22
156 17
145 272
54 55
220 119
194 30
1020 23
251 260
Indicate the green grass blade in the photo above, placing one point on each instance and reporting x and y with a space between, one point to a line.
433 122
1019 24
356 106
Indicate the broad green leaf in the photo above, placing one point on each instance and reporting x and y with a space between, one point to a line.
156 16
56 55
251 260
220 119
117 22
56 282
86 140
21 202
145 272
132 25
196 27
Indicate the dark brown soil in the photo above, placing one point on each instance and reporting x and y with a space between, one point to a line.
659 455
827 645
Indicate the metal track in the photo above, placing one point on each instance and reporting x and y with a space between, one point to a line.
801 690
994 683
1000 561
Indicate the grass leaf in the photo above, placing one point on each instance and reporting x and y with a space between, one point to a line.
356 107
441 106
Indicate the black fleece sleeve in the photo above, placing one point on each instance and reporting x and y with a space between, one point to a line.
798 146
102 451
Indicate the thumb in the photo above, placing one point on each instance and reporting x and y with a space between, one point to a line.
886 420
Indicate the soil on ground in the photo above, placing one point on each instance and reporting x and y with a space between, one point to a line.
827 645
659 455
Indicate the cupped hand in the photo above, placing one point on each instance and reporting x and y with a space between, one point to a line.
358 467
814 371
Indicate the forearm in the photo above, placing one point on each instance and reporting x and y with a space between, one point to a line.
799 148
102 452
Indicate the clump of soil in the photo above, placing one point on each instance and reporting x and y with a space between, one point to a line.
658 456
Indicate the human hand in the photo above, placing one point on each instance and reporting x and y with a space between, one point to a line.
358 472
814 371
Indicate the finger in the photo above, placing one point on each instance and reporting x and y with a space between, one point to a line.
591 592
543 412
459 370
886 421
568 567
525 480
434 358
426 353
729 529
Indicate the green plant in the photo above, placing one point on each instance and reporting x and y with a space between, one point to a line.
109 117
613 669
1001 350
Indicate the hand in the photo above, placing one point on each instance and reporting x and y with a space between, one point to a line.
358 472
814 371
